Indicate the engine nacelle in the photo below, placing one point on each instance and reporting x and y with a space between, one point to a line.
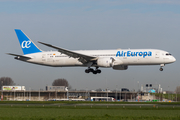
120 67
105 62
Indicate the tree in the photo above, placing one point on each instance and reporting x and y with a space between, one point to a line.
178 89
61 82
6 81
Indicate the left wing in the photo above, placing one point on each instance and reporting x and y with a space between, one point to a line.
81 57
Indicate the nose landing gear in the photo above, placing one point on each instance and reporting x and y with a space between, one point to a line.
161 67
93 71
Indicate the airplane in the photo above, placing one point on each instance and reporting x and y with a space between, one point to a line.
118 59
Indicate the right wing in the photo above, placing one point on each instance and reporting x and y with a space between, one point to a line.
81 57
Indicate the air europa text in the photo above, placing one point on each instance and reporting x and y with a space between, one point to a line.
132 54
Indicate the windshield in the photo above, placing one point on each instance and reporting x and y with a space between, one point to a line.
168 54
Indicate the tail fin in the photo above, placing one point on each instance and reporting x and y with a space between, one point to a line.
26 43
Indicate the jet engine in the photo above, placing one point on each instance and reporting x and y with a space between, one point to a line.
105 62
120 67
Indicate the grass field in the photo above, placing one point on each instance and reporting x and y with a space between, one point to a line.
84 102
66 111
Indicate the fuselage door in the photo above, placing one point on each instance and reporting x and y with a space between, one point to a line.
157 54
43 57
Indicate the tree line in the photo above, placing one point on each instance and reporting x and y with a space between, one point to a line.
7 81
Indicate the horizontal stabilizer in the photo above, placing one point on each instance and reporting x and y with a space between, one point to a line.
19 56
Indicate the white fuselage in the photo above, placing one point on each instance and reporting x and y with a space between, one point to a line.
121 57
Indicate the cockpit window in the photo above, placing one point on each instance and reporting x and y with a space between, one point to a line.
168 54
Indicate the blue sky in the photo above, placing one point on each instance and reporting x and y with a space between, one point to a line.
54 7
90 25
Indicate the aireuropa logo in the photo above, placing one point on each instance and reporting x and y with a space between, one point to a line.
26 44
132 54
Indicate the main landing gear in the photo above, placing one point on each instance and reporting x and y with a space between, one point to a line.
93 71
161 67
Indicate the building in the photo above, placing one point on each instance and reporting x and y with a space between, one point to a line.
55 94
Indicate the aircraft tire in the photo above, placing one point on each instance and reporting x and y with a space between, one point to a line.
98 71
94 72
87 71
91 70
161 69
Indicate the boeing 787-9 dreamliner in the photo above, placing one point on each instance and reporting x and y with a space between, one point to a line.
118 59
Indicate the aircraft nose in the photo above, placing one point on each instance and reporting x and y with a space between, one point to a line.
174 59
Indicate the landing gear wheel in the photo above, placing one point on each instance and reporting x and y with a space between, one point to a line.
98 71
91 70
94 72
161 69
87 71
